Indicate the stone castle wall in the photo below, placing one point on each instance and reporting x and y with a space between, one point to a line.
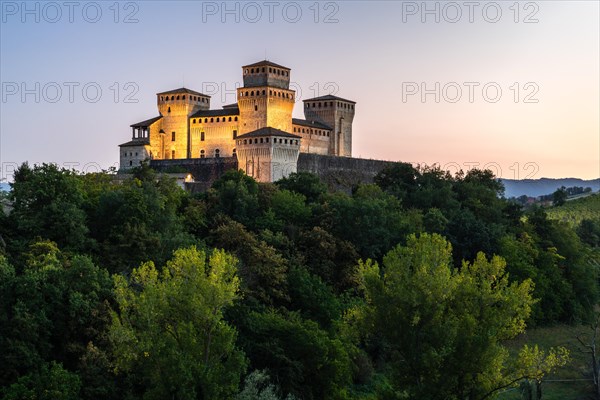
339 173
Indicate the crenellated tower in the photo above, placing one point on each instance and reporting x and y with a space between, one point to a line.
265 100
336 113
176 106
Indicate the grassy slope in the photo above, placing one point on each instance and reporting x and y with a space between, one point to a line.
579 368
575 210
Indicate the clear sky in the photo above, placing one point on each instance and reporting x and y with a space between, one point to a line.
512 86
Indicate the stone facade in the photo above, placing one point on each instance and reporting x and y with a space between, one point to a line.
186 128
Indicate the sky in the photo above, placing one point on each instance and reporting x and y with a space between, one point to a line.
506 85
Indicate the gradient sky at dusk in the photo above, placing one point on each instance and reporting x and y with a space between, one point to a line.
369 52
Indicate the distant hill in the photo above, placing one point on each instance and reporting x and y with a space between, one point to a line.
540 187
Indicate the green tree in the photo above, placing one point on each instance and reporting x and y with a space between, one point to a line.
445 327
48 203
559 197
169 334
304 183
51 382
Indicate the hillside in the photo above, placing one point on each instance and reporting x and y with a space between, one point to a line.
540 187
576 210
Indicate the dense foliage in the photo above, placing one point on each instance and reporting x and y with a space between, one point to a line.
406 288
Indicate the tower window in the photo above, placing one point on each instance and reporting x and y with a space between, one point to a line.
202 136
234 134
229 119
172 97
267 140
255 107
234 152
217 153
218 120
177 97
169 110
130 163
172 136
263 69
183 98
173 154
202 155
235 119
193 121
205 120
261 140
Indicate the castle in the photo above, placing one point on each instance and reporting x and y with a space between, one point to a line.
258 130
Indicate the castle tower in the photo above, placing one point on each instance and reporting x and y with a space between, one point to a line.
265 100
268 154
176 106
337 113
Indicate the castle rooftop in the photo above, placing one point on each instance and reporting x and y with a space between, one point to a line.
183 90
266 63
216 113
311 124
268 131
146 123
329 97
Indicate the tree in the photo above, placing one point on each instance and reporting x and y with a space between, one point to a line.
445 327
51 382
169 334
559 197
304 183
590 346
48 203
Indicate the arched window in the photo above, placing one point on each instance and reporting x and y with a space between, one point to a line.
218 119
172 97
252 93
205 120
183 98
217 153
202 154
177 97
169 110
212 120
235 119
161 98
264 92
229 119
193 121
234 152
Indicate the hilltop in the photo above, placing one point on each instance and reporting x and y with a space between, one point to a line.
543 186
